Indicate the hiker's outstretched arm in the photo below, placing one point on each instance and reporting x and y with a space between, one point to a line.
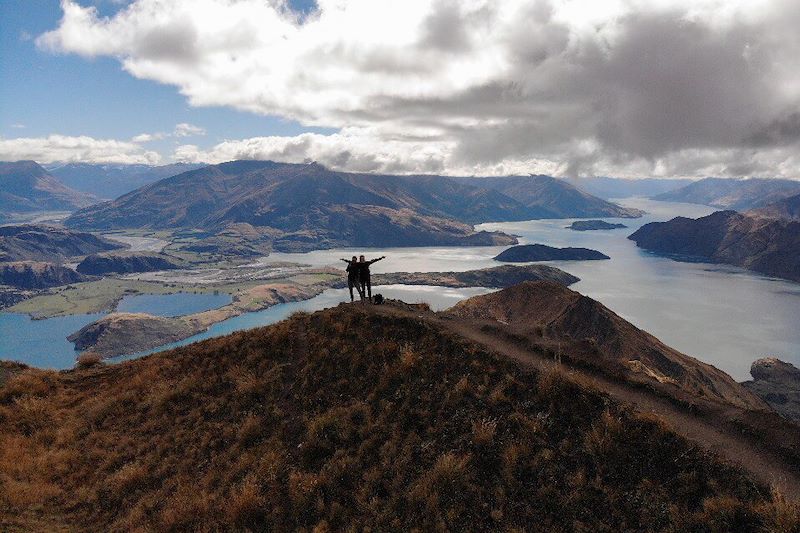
378 259
345 260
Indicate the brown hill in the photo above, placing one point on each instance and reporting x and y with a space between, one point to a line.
549 313
304 426
25 186
766 245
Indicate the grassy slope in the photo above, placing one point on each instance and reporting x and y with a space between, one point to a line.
345 419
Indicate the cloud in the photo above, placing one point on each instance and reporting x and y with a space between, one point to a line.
187 130
18 126
626 87
61 148
148 137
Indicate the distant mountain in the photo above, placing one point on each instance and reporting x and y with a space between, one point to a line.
25 187
304 207
46 243
768 246
788 208
736 194
606 188
548 197
109 181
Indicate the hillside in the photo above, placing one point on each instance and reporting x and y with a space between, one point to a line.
109 181
25 186
788 208
552 198
735 194
768 246
37 275
304 207
304 426
47 243
547 313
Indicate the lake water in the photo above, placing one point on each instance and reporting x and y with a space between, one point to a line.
722 315
176 304
41 343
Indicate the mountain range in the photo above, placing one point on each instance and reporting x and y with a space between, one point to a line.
108 181
605 187
434 421
27 187
735 194
308 206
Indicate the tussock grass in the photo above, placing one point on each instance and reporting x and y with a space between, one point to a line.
314 425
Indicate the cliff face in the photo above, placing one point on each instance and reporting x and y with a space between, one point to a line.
778 384
590 333
765 245
125 263
37 275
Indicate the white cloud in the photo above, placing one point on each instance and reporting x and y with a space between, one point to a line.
188 130
148 137
61 148
18 126
617 87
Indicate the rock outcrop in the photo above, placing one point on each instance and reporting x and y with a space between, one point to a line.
778 384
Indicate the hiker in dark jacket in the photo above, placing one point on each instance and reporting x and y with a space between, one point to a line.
364 275
353 278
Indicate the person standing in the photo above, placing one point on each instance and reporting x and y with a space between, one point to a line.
364 275
353 278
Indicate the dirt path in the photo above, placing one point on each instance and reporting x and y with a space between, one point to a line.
709 431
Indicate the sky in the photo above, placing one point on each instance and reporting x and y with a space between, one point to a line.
630 88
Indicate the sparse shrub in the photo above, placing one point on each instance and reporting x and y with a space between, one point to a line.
89 360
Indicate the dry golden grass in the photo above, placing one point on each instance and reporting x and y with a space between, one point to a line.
306 426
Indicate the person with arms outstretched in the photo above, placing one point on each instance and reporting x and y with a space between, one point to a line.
353 278
364 275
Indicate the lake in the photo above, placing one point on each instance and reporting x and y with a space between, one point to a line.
722 315
176 304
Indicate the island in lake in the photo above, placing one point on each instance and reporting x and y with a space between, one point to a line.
540 252
590 225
